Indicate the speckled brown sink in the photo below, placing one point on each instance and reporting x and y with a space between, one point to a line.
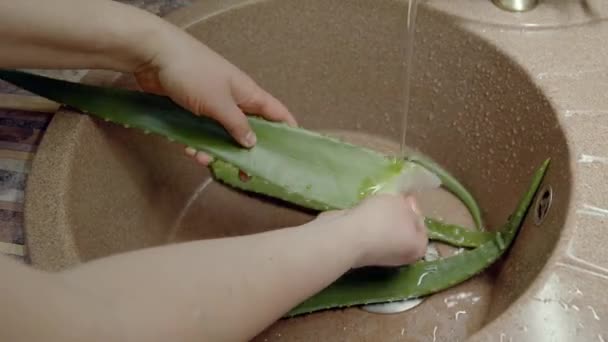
479 107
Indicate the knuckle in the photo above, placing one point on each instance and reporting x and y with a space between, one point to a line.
197 105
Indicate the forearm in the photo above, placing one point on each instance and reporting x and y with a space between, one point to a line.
38 306
99 34
221 290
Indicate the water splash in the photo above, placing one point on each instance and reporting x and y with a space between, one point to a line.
422 277
588 159
458 313
597 318
452 300
592 210
393 307
191 200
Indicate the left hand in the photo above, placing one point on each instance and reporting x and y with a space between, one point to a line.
205 83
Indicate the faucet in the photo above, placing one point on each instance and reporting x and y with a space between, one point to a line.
516 5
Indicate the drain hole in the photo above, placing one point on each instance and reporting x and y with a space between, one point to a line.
542 205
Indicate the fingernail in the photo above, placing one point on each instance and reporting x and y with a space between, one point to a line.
414 206
292 123
190 151
203 158
250 139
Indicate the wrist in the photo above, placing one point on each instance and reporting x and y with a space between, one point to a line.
134 41
356 238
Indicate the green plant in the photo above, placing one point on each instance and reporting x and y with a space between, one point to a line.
311 170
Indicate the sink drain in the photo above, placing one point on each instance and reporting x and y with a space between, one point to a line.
402 305
543 204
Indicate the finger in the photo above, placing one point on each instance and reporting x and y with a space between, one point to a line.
149 82
330 215
419 219
199 156
261 103
203 158
228 114
190 152
413 204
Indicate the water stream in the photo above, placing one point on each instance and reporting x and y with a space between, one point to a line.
410 25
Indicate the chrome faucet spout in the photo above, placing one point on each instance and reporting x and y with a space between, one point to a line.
516 5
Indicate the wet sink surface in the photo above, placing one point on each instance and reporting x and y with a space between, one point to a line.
338 66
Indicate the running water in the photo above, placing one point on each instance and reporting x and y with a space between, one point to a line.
412 9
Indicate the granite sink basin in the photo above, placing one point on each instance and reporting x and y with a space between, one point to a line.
478 107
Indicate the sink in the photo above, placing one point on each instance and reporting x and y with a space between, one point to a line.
475 108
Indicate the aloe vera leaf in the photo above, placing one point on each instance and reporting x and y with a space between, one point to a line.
230 174
453 185
159 115
447 233
456 235
411 178
370 286
292 163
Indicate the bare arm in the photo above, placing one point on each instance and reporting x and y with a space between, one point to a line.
221 290
104 34
214 290
227 289
75 34
38 306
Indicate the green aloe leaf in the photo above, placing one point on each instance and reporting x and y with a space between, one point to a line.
453 185
456 235
307 168
292 164
374 285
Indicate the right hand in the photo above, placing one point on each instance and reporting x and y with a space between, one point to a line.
389 227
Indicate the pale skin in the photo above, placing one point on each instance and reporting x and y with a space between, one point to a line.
212 290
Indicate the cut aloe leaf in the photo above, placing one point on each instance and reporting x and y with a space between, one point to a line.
373 285
292 164
456 235
453 185
295 165
308 169
411 178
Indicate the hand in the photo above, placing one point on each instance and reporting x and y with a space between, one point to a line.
389 228
205 83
